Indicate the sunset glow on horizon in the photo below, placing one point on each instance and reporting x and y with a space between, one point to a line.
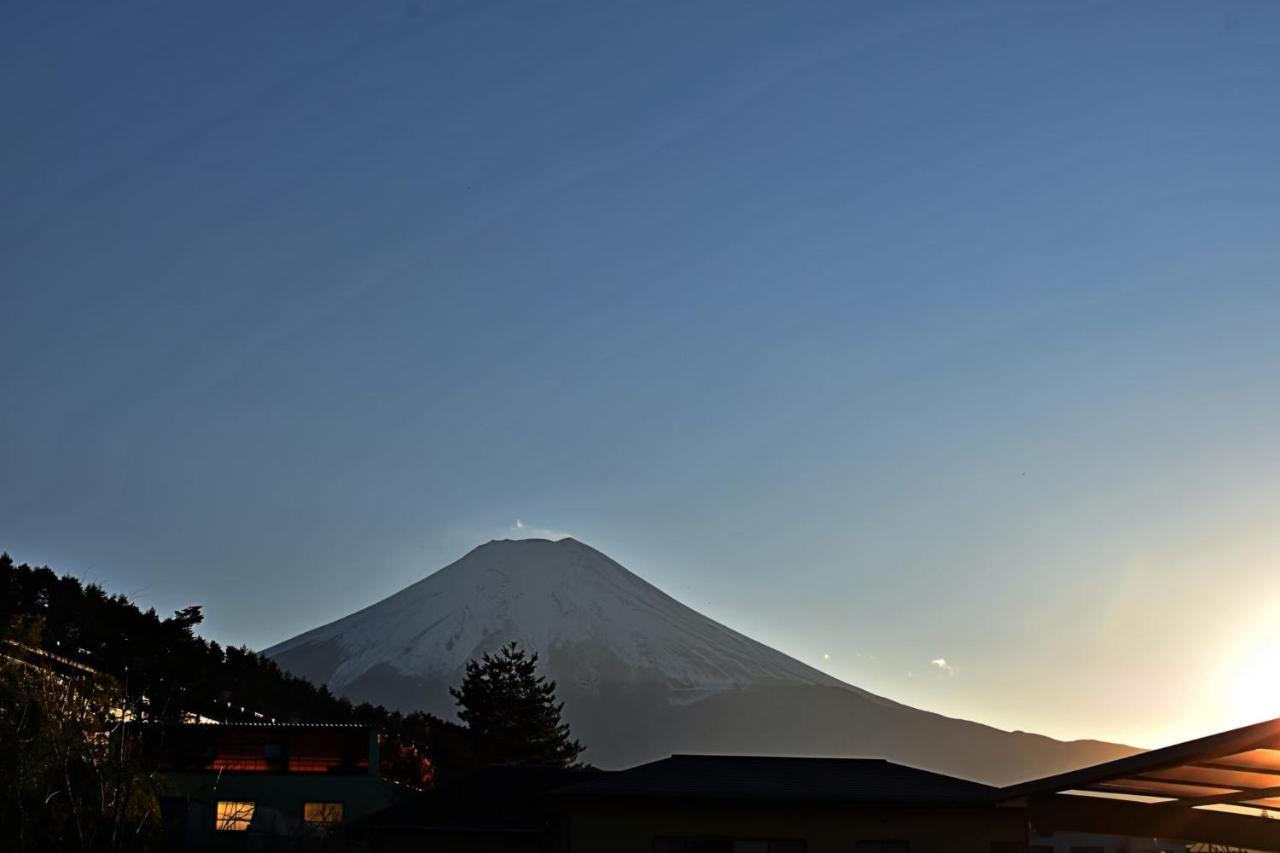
1252 690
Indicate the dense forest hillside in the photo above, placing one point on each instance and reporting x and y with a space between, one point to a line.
164 666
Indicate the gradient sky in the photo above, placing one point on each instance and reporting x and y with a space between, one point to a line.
885 333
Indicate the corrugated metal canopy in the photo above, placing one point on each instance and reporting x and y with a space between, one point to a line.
1211 782
1239 766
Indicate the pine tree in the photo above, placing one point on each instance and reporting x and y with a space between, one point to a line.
511 712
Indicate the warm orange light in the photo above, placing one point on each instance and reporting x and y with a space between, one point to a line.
328 815
234 815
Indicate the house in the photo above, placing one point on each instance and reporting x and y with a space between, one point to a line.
258 785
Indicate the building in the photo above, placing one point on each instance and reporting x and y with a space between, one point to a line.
736 804
500 809
1217 792
1093 842
259 785
1221 792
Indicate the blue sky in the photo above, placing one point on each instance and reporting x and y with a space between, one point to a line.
886 332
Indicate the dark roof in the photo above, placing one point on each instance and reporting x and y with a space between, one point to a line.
499 797
728 777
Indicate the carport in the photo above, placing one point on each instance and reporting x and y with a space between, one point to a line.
1222 790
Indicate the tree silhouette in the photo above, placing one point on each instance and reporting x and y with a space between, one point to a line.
167 670
72 774
511 712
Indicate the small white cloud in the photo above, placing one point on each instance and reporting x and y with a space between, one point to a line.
941 665
520 530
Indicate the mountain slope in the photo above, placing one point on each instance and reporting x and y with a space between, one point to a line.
641 674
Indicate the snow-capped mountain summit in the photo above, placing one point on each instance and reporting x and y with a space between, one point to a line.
641 674
549 596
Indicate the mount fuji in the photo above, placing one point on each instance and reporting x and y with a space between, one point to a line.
640 674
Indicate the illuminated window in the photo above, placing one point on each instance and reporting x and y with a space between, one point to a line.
233 816
322 814
882 847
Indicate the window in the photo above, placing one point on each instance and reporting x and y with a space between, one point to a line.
883 847
1008 847
1087 850
233 815
322 814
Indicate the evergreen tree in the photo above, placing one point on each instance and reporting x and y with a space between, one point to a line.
167 670
511 712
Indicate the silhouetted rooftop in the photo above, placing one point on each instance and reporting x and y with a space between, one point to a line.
728 777
496 797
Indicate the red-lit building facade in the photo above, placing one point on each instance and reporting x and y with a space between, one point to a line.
267 785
